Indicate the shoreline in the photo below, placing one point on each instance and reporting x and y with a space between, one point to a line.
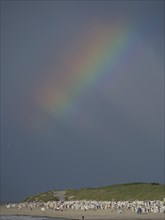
77 214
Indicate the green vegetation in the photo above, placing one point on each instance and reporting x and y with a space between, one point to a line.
42 197
129 191
122 192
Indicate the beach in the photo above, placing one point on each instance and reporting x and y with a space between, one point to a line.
77 214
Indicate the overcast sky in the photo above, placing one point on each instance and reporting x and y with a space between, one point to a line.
82 92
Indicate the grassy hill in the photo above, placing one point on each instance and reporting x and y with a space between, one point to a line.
42 197
129 191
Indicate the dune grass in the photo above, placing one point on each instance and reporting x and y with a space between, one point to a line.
131 191
120 192
41 197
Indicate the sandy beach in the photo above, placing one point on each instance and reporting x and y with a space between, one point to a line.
77 214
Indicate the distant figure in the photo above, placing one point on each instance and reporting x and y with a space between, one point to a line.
82 217
139 210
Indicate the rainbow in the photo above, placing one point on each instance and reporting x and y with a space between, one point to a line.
91 62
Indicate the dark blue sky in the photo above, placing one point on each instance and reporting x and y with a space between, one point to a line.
82 93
